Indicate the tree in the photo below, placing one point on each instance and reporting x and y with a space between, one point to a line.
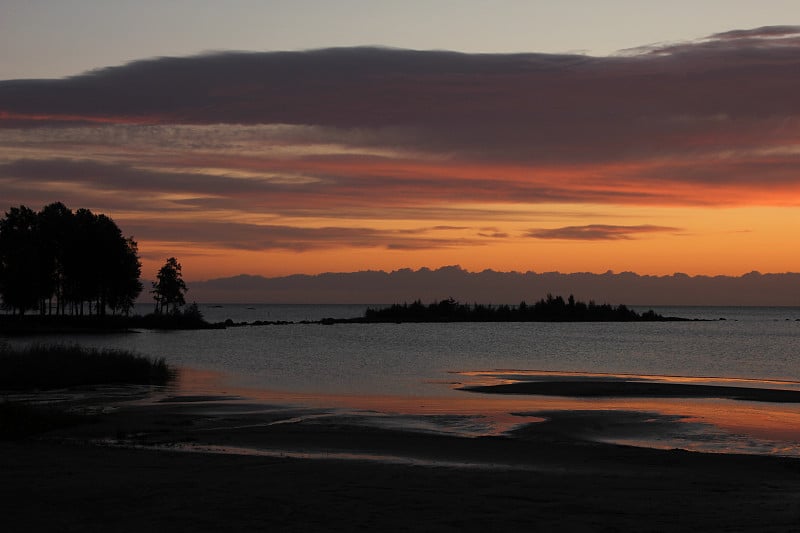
87 247
114 264
23 277
169 288
56 222
101 267
124 285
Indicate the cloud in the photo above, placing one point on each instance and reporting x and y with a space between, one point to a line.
770 32
494 235
521 107
283 186
597 232
277 148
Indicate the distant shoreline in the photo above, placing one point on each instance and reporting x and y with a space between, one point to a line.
549 309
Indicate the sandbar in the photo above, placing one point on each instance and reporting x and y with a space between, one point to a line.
637 389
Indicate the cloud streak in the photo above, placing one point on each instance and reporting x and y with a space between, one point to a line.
597 232
265 237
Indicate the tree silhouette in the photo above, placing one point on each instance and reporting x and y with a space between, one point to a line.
76 258
124 285
23 282
57 225
169 288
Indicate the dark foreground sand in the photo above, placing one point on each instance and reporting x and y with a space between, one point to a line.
538 481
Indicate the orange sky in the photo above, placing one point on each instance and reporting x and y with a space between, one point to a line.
728 241
361 158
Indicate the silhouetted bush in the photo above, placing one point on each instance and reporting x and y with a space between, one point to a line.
189 318
60 366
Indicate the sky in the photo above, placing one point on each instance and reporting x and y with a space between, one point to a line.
276 138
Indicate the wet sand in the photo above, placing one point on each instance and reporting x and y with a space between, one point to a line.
130 470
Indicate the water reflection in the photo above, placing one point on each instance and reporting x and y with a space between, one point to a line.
697 424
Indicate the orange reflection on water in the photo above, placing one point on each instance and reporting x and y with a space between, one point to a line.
761 420
737 425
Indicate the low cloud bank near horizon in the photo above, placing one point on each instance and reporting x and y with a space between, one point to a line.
489 286
298 139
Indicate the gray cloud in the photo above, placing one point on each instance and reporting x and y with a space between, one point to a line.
515 107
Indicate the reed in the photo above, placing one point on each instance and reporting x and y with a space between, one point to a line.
59 366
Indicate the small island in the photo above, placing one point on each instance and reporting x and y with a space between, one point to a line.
549 309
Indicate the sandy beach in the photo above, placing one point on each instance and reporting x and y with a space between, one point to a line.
210 464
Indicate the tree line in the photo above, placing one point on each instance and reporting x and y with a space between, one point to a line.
549 309
61 262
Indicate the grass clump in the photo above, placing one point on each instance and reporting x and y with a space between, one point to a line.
60 366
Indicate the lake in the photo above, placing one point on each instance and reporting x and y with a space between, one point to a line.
416 369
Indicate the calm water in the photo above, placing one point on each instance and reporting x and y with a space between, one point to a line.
366 359
409 361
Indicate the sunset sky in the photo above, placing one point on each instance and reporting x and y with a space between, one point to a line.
644 136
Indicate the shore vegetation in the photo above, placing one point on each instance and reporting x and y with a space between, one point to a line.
40 366
549 309
188 318
46 367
